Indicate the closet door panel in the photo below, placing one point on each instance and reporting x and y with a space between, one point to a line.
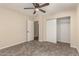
65 33
63 29
51 31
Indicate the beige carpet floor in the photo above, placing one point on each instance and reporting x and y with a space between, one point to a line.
35 48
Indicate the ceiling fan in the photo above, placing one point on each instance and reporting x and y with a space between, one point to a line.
37 7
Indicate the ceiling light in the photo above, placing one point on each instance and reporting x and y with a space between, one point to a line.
37 9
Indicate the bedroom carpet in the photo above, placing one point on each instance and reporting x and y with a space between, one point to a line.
35 48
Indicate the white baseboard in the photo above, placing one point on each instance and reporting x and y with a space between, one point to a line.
78 50
75 46
12 45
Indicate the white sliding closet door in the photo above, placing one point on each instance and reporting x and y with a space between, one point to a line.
63 29
51 30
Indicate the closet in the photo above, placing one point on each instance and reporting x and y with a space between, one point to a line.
58 30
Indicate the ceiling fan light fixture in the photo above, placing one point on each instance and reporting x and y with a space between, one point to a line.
37 9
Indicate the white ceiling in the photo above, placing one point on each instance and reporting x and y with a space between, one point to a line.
52 8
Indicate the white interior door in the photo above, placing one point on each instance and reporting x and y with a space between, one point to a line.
51 30
30 30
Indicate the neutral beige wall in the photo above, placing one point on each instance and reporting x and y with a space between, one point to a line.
77 29
12 28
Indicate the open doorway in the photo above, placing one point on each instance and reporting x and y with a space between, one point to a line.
36 30
63 29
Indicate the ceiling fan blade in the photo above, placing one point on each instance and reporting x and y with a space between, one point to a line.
34 12
42 11
37 5
28 8
34 4
46 4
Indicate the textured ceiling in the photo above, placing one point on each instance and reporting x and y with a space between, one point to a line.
52 8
